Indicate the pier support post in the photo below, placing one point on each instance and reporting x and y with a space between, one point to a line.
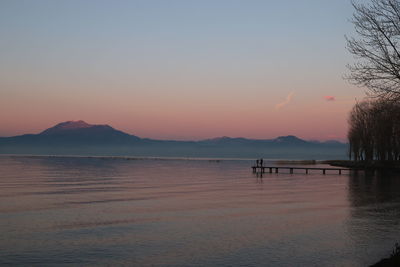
291 170
276 170
323 171
270 170
306 171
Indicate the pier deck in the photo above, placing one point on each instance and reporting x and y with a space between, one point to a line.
261 169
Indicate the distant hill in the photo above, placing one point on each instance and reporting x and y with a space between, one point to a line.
81 138
73 133
84 133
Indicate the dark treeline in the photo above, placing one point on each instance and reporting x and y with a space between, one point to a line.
374 131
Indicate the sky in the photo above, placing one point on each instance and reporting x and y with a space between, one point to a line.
184 70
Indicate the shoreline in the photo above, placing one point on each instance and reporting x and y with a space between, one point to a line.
392 261
277 161
359 165
122 157
363 165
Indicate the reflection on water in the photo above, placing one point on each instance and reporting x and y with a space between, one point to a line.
93 211
374 199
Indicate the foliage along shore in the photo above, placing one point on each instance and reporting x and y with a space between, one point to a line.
369 165
392 261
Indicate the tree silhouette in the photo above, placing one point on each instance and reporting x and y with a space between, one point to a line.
374 132
376 48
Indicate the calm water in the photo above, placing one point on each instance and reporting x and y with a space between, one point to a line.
82 211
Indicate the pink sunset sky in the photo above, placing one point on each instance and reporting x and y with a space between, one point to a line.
181 70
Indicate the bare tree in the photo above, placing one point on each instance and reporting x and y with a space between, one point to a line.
377 48
374 131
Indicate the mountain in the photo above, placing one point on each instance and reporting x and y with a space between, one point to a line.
81 138
84 133
290 139
69 126
74 133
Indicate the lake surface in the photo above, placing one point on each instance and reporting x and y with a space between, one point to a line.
93 211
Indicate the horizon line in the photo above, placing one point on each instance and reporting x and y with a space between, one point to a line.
184 140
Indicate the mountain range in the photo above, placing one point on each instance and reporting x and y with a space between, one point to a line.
81 138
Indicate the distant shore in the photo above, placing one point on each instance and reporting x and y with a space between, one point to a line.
118 157
276 161
365 165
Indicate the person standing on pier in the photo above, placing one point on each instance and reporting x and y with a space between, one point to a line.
261 162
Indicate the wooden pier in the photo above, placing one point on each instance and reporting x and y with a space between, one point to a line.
261 169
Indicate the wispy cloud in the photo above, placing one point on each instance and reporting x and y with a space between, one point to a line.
287 101
329 98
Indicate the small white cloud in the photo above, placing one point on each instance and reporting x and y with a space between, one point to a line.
287 101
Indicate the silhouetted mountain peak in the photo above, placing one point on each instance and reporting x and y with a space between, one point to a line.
72 126
225 139
222 138
289 139
65 126
80 132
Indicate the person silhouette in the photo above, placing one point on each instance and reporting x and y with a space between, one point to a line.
261 162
